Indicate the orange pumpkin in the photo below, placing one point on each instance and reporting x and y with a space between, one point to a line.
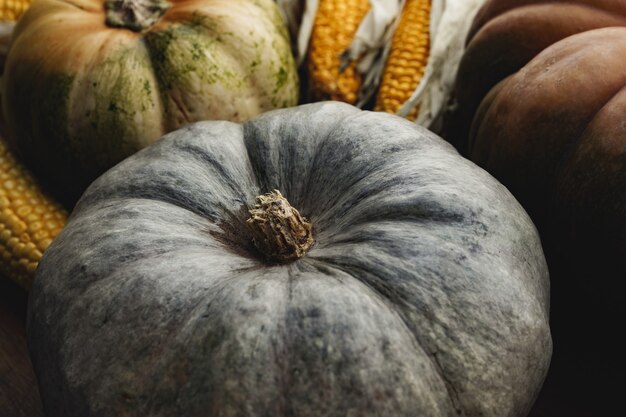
89 82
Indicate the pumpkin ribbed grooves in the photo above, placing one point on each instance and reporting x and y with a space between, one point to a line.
135 15
278 229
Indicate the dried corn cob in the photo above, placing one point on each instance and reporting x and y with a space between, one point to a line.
11 10
407 59
29 220
335 24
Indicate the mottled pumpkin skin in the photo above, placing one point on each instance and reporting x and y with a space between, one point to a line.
541 105
425 294
79 96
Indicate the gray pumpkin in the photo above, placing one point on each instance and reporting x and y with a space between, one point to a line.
424 294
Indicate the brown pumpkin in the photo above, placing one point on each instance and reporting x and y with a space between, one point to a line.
507 34
541 104
549 124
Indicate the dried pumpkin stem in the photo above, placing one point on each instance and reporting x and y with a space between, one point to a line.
278 229
135 15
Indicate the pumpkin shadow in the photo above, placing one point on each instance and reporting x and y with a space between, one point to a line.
587 319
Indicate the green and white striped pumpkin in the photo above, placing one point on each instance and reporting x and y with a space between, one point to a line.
89 82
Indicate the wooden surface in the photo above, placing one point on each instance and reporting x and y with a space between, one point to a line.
19 396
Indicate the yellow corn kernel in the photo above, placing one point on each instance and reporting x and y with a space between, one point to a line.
29 220
336 23
11 10
407 59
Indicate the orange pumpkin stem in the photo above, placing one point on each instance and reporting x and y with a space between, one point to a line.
278 229
135 15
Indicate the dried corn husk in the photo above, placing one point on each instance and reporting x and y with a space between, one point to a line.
299 16
293 12
373 33
371 45
450 23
